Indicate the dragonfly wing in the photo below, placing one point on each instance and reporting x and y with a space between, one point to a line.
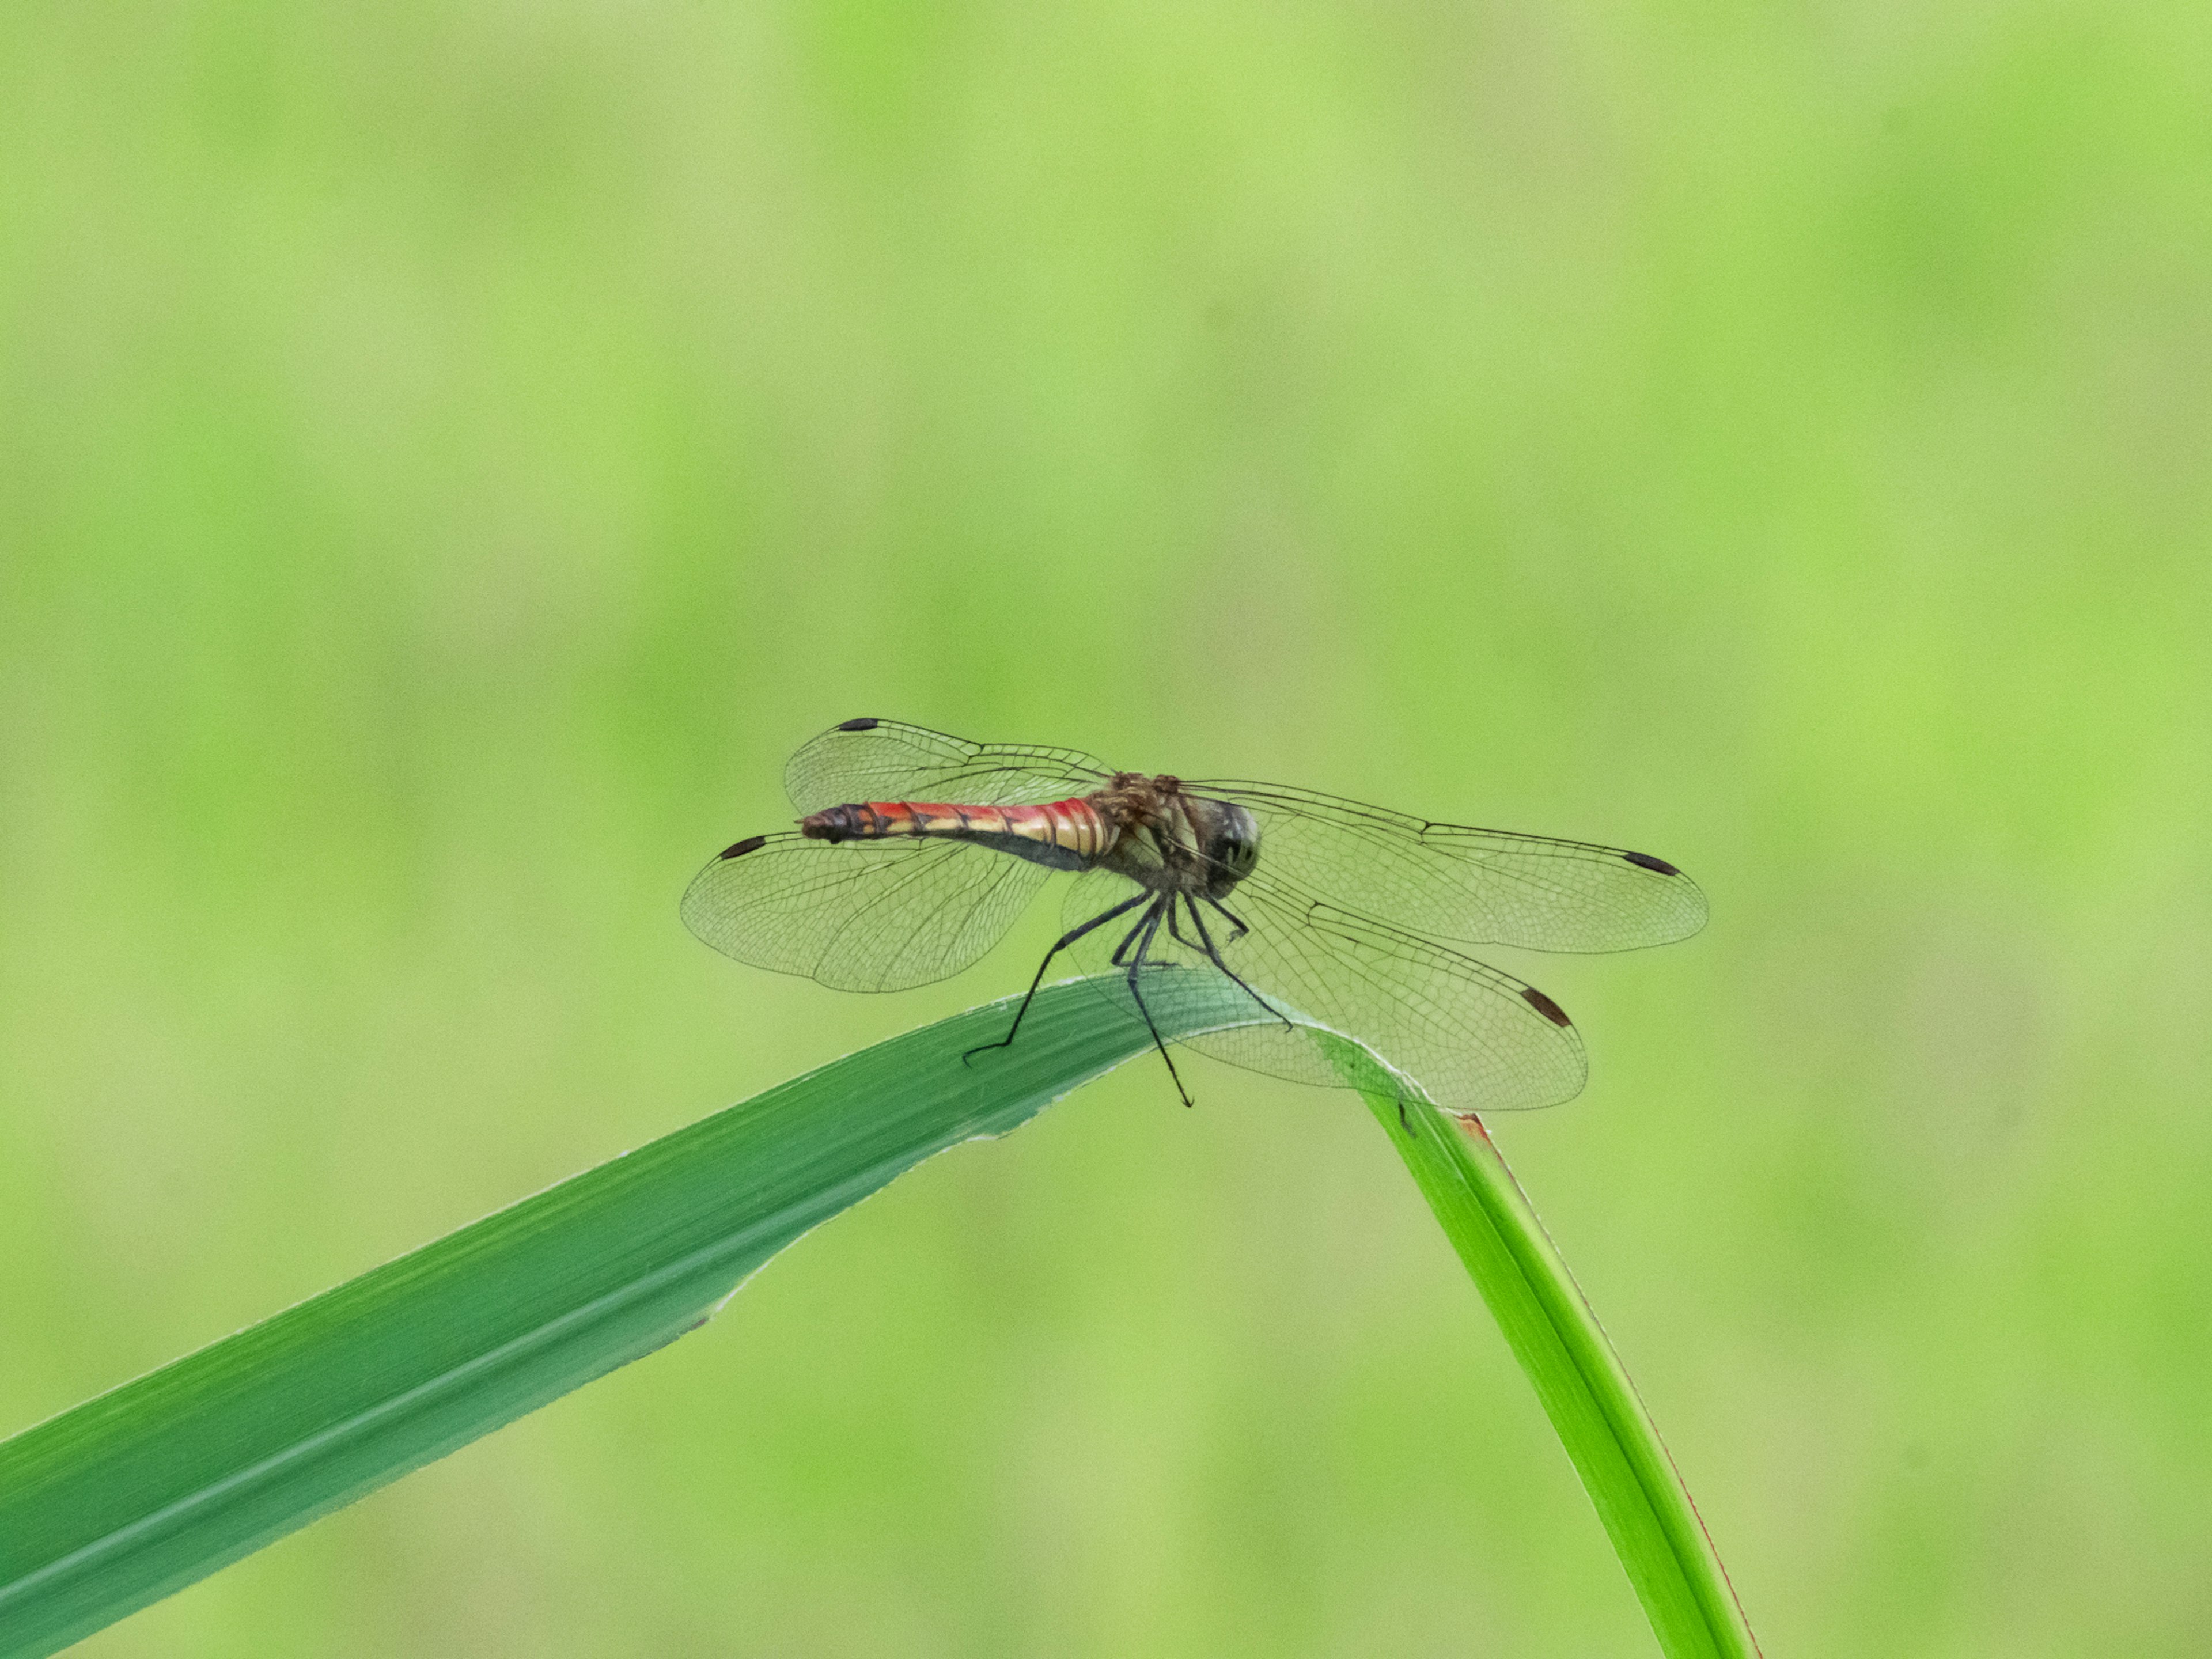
1473 1038
863 915
886 760
1476 886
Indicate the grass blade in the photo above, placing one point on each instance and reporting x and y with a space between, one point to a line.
1584 1389
141 1491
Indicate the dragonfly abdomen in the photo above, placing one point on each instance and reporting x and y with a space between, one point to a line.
1066 835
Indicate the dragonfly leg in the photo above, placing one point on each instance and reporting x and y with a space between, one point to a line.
1235 920
1065 940
1174 930
1206 938
1152 925
1129 939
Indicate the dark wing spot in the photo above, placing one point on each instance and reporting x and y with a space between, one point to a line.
1646 861
1543 1004
859 725
749 844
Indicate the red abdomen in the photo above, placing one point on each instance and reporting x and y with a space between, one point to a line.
1074 825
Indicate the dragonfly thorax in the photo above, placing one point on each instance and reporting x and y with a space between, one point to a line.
1170 841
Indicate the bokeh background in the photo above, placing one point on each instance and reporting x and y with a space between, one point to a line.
450 455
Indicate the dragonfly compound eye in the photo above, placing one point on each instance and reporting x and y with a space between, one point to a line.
1234 847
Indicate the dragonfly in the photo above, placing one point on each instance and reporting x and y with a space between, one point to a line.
916 852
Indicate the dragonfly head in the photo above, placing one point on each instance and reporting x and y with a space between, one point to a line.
1228 837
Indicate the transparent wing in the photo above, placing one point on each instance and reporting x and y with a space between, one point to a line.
885 760
1477 886
1473 1038
865 916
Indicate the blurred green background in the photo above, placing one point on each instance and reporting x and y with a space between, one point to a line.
449 455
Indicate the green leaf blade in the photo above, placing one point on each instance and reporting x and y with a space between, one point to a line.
1577 1375
139 1491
